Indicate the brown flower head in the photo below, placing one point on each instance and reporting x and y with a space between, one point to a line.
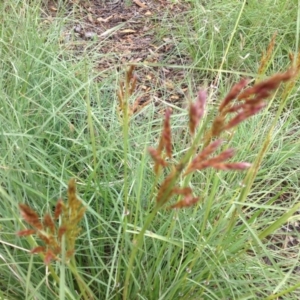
49 232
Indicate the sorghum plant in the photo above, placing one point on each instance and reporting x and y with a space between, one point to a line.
50 231
126 90
239 104
57 235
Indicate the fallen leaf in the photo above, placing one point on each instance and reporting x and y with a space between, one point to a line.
99 20
167 40
139 3
127 31
111 30
52 8
90 18
169 85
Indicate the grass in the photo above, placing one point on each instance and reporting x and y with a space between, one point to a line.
58 122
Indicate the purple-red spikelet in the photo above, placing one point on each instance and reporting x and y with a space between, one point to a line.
264 88
240 103
61 231
158 160
232 166
48 231
251 101
182 191
133 83
165 191
49 256
200 164
224 155
189 200
48 223
165 142
38 249
58 209
126 90
244 114
30 216
217 127
129 74
26 232
235 90
196 111
267 55
208 150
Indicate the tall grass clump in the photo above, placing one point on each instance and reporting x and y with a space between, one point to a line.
46 137
162 203
234 34
234 234
175 180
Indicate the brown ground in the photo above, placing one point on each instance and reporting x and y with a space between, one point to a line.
131 33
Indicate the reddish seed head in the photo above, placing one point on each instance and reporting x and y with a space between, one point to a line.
156 157
129 73
49 255
232 166
186 202
197 110
268 85
30 216
182 191
225 155
72 199
58 209
48 223
165 191
218 125
201 101
244 114
61 231
133 84
159 161
48 231
38 249
44 237
235 90
202 162
70 253
26 232
208 150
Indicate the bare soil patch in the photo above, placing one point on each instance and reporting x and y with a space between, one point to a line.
135 33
